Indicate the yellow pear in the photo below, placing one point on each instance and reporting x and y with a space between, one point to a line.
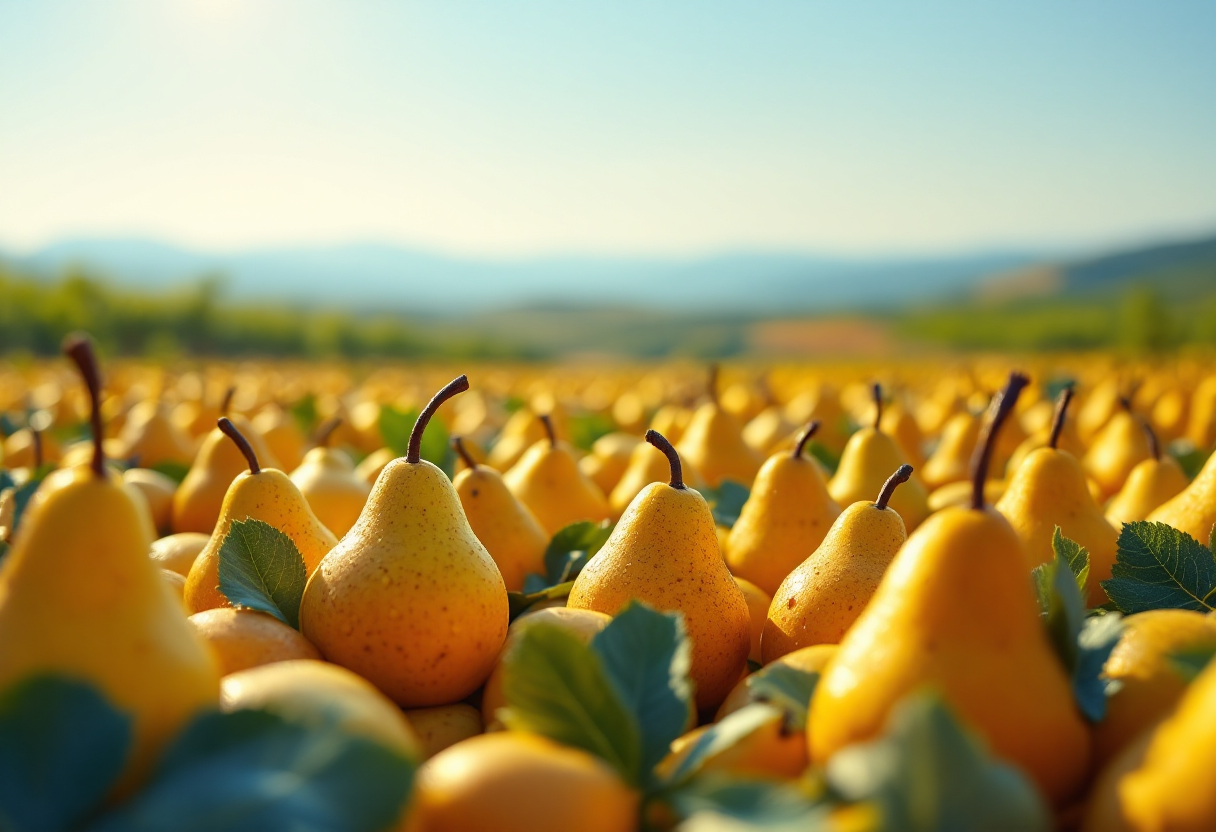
548 481
177 552
1049 490
784 519
197 501
520 433
713 444
158 490
260 494
370 466
1193 510
80 598
442 726
956 611
950 459
897 422
768 428
241 639
646 465
808 660
1066 440
671 420
30 448
504 525
822 597
328 480
758 602
608 459
1151 483
150 437
959 494
664 551
1118 448
410 599
1201 425
282 435
868 460
821 403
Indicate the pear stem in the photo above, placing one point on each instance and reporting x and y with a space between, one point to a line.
1126 403
458 446
79 348
998 410
712 383
877 390
226 403
37 437
456 385
805 437
326 431
1154 444
677 470
547 421
1057 420
230 430
901 475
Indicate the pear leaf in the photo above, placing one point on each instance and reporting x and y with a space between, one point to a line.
518 602
62 747
1073 554
717 803
827 459
304 412
250 770
929 773
1062 607
726 501
647 655
1160 567
570 549
1191 662
789 688
175 471
261 568
1097 639
720 736
395 428
558 687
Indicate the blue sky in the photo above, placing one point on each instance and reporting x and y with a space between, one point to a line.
627 128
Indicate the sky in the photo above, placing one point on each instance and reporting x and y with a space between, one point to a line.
678 128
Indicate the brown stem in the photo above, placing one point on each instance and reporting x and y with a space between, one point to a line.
456 385
901 475
1154 444
226 403
1126 403
998 410
547 421
1057 420
673 459
877 390
37 436
805 437
79 348
326 432
712 383
229 430
458 446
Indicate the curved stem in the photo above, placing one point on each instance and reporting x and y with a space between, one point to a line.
37 436
877 390
1057 420
805 437
326 431
229 430
712 383
673 459
458 446
79 348
901 475
998 410
456 385
547 421
1154 444
226 403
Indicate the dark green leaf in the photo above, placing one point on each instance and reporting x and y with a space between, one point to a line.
1062 606
518 602
175 471
928 773
395 427
1097 639
827 459
1190 663
585 428
1074 555
570 549
1160 567
252 771
646 655
719 736
6 480
788 688
717 803
62 747
305 413
726 501
557 686
262 569
1189 458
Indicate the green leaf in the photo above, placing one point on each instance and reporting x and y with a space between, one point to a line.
557 687
827 459
305 412
928 773
1097 639
1160 567
570 549
647 655
6 480
1191 662
62 747
585 428
718 803
250 771
175 471
1074 555
721 735
262 569
726 501
789 688
518 602
1189 458
396 426
1062 607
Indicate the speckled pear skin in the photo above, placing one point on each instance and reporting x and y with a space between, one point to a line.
664 551
409 598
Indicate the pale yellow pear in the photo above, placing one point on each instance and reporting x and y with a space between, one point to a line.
522 430
608 459
1098 407
150 437
671 420
1201 423
282 435
821 403
1151 483
898 423
950 459
1192 510
1119 447
158 490
713 444
548 481
328 480
197 501
766 429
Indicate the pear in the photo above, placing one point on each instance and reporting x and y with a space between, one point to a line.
1049 490
282 435
1119 447
504 525
261 494
1099 406
520 433
897 422
1066 439
956 611
442 726
370 466
241 639
713 444
822 597
1192 510
664 551
949 461
328 480
868 459
784 519
1201 424
150 437
646 465
608 459
821 403
768 428
80 598
548 481
1150 484
671 420
30 448
158 490
409 598
177 552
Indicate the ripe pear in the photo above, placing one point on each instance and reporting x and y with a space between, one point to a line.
548 481
608 459
808 660
767 429
1066 440
664 551
1151 483
1118 448
1098 407
328 480
241 639
177 552
713 444
821 403
370 466
150 437
646 465
956 611
261 494
758 602
671 420
504 525
521 432
784 519
30 448
868 460
1193 510
1049 490
79 597
822 597
197 502
158 490
410 599
950 459
1201 425
282 435
897 422
442 726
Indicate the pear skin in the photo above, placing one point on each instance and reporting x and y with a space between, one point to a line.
714 446
548 481
1193 510
1118 448
150 437
327 479
949 460
1152 483
197 502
